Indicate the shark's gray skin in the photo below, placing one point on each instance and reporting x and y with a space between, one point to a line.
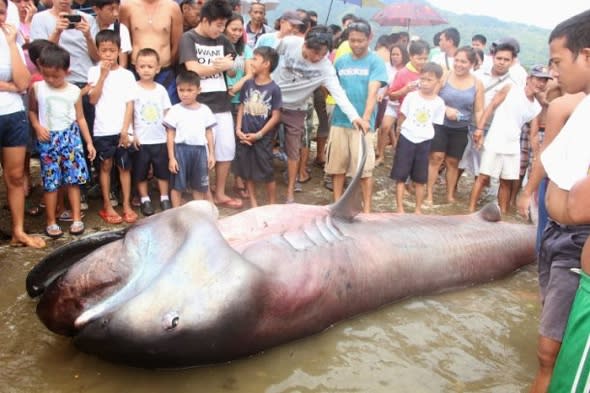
182 288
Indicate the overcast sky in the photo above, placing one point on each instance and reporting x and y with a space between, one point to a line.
533 12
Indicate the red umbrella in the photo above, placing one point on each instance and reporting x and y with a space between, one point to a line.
408 14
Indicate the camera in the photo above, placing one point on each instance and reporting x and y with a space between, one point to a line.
73 19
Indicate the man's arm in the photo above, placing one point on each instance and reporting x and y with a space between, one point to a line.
175 32
371 102
487 114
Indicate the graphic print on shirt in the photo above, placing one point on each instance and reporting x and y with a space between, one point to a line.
205 56
422 117
257 103
149 112
300 69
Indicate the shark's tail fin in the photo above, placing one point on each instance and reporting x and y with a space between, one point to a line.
350 204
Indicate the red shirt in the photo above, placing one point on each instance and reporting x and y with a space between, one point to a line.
402 78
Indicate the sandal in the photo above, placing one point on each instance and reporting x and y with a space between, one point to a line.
110 218
130 217
77 228
54 231
231 203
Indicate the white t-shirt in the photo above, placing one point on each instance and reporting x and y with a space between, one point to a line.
567 158
57 107
118 89
148 108
123 34
9 102
72 40
504 133
445 61
420 115
190 124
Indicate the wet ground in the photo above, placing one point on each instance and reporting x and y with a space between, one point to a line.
473 340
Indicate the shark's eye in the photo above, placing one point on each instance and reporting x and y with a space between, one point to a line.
171 320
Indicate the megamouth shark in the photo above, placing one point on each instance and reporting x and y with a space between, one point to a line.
183 288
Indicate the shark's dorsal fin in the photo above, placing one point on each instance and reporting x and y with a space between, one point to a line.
350 204
490 212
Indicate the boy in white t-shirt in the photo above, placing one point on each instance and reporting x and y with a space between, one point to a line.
512 107
189 125
149 107
419 111
107 15
112 90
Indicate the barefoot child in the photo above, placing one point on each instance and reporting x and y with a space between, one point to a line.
112 90
150 105
258 115
419 110
55 110
189 139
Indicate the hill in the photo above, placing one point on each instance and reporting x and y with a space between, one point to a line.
533 40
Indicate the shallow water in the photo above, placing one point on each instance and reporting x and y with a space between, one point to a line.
480 339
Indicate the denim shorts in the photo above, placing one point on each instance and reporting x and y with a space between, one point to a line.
14 130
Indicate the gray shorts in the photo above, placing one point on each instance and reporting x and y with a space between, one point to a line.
561 248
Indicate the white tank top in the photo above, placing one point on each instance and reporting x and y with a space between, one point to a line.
57 107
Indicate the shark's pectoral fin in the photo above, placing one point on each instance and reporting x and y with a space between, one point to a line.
350 204
56 263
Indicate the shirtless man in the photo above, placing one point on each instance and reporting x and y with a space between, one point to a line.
566 161
155 24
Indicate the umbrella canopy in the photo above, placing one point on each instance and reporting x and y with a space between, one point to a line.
408 14
269 4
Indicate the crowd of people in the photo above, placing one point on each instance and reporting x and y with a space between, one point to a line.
117 94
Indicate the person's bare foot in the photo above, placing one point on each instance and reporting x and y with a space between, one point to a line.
418 211
24 240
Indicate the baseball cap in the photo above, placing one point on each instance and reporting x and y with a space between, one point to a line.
540 71
292 17
513 42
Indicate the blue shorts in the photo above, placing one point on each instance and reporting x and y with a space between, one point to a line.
14 130
62 159
107 147
411 159
193 172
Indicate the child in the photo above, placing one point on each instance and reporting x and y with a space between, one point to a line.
57 118
406 79
258 115
107 13
150 105
189 139
112 90
419 110
511 108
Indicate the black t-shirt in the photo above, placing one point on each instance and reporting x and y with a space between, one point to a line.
194 46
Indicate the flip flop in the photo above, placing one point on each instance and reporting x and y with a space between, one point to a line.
130 217
77 228
231 203
110 219
54 231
